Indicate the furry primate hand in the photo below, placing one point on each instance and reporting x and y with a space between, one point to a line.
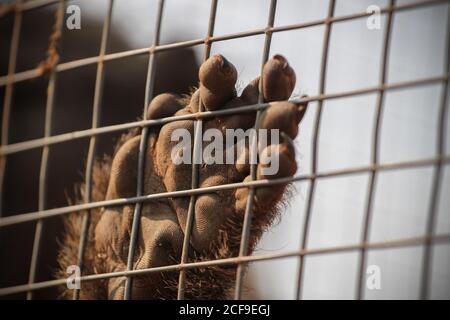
218 216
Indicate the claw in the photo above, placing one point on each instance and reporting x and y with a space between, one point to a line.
302 107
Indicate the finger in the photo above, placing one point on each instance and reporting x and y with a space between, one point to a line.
122 181
173 154
276 161
278 82
164 105
278 79
243 120
211 212
217 82
284 116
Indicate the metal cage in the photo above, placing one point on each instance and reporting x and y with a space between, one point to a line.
45 144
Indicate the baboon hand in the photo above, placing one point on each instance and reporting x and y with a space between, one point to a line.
225 158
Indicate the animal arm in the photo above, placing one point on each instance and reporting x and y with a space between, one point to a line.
218 219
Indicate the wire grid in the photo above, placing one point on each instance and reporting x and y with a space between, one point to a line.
96 109
437 162
323 72
375 149
243 249
44 160
142 152
195 164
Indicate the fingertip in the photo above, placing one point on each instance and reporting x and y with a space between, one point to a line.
217 82
217 72
278 79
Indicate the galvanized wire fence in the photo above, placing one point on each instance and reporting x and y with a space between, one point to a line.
437 162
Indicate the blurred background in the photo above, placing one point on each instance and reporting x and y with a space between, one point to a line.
408 130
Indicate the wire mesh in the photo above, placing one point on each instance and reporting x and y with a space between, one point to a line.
243 250
375 147
195 164
96 111
48 140
8 94
323 72
437 178
142 150
45 156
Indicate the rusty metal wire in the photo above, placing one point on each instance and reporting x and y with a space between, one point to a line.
34 73
438 172
8 95
96 110
40 142
195 164
437 162
243 249
323 74
43 172
44 214
391 244
142 150
375 150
